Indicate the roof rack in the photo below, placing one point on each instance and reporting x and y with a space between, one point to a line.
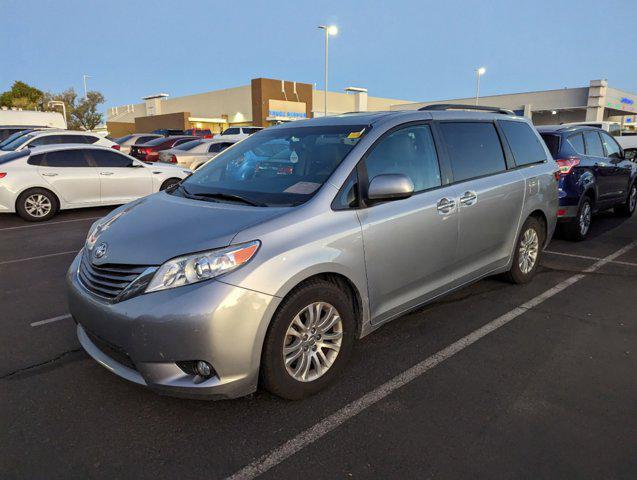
458 106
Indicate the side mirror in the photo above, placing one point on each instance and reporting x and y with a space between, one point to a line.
390 186
630 154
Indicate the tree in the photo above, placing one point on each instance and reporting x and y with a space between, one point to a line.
82 114
21 95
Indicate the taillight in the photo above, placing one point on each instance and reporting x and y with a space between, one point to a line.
116 147
567 164
561 212
3 174
173 159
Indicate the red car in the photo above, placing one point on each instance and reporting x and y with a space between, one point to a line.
149 151
198 132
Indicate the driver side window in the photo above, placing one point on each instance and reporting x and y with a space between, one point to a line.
409 151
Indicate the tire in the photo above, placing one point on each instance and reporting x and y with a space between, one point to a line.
628 207
37 205
169 183
578 228
528 252
280 379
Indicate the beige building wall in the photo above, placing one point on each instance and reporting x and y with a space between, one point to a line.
346 102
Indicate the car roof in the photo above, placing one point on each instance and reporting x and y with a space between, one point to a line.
54 131
69 146
564 128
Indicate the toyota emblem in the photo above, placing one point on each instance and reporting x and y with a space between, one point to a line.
100 251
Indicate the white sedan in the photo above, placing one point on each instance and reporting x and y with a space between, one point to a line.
38 182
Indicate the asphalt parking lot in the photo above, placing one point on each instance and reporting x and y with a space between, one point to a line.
495 381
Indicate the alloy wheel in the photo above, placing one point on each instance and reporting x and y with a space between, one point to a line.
37 205
528 250
585 219
632 202
312 342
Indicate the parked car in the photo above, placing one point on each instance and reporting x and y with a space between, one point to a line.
238 133
10 130
37 138
31 118
126 142
199 132
629 145
195 153
234 276
614 128
38 182
16 134
594 176
168 132
149 151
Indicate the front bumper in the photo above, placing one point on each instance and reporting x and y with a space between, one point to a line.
212 321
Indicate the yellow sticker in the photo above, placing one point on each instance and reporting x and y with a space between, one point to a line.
356 134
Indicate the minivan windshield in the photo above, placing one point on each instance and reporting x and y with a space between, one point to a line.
274 167
17 142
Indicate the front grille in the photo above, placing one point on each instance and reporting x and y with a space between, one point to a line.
113 351
108 280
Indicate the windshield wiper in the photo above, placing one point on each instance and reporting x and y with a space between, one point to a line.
223 196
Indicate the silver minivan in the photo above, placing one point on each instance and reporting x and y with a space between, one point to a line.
265 265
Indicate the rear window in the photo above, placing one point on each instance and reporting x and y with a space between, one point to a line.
231 131
188 145
158 141
145 139
552 142
525 145
474 149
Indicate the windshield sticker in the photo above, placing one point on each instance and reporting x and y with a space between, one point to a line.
294 158
303 188
356 134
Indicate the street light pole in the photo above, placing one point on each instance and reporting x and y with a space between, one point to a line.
84 77
58 103
329 30
479 72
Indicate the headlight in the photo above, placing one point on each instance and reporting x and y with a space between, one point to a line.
201 266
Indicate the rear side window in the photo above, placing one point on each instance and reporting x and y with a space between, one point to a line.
65 158
552 142
474 149
105 159
409 151
577 142
218 147
525 145
593 144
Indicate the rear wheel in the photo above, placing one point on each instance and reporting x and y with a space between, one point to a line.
628 208
309 340
528 250
577 229
169 183
37 205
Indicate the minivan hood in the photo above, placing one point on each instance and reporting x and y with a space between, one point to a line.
162 226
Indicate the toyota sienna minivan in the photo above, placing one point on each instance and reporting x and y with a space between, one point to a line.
264 266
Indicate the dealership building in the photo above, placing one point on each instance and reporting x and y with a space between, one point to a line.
595 103
267 102
262 103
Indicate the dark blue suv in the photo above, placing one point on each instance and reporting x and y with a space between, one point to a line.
595 176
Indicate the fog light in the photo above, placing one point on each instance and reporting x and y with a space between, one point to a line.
203 368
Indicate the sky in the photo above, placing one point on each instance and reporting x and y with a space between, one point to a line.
413 50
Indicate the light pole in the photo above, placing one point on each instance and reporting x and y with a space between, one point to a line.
479 72
329 30
84 77
58 103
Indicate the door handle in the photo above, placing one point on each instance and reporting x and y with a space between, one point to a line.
446 205
468 198
50 174
106 173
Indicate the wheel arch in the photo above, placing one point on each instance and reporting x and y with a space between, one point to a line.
37 187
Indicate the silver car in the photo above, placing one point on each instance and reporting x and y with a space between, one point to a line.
195 153
264 266
126 142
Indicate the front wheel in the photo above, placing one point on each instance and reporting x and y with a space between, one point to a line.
628 208
528 251
309 340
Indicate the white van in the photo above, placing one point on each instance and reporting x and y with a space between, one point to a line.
31 118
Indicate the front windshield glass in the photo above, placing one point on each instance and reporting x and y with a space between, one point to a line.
188 145
275 167
12 137
17 142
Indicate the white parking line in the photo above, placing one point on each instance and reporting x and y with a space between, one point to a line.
619 262
326 425
7 262
50 320
48 223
